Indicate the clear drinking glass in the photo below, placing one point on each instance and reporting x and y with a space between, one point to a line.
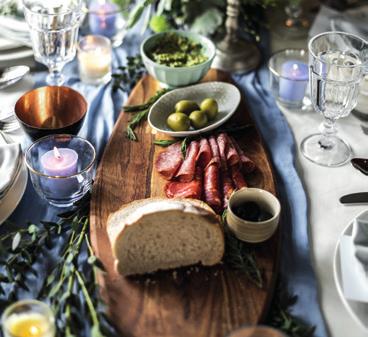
337 62
54 31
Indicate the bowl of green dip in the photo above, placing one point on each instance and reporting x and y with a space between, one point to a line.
177 58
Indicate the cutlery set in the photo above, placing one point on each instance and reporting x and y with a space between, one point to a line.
361 164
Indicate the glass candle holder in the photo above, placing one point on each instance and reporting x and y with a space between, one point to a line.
94 56
28 318
61 168
108 19
289 77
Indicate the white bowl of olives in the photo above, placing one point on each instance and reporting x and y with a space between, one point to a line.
195 109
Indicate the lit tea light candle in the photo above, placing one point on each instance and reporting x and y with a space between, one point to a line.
102 18
293 81
60 162
28 318
94 56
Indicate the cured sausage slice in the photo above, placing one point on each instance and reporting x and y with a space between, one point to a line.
212 195
188 167
205 154
248 165
191 189
169 161
238 178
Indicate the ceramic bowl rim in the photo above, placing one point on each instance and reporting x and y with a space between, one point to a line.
262 192
203 40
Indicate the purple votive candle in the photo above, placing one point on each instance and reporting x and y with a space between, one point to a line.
60 162
293 81
102 18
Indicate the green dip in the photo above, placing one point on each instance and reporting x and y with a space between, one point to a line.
174 50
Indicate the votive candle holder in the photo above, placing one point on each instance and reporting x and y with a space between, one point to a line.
94 58
28 318
289 77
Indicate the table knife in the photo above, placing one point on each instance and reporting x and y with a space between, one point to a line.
360 164
355 198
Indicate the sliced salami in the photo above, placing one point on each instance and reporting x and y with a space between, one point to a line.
215 151
222 146
187 168
212 195
205 154
169 161
227 187
248 165
192 189
237 177
232 155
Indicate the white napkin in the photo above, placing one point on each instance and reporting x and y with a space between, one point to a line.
10 162
360 239
351 21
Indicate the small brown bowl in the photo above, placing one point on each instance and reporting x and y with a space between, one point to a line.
51 110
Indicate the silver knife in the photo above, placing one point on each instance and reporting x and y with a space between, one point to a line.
355 198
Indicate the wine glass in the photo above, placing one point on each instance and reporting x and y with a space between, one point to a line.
337 63
54 31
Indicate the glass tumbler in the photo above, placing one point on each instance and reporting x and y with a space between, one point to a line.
54 31
61 168
337 63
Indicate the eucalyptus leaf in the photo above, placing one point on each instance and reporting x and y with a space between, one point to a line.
16 240
96 332
137 12
208 22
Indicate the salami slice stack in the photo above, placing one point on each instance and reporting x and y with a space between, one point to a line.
211 170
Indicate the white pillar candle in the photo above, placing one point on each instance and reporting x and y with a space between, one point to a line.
94 56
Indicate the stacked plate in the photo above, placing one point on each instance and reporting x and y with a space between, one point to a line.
253 231
15 44
13 176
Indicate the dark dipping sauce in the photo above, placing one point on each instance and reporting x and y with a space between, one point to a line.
251 211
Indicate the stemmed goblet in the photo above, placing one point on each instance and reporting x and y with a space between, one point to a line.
337 63
54 31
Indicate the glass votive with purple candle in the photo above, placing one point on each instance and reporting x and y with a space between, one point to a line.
108 19
61 168
289 77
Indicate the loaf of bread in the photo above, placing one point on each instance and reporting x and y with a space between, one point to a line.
157 233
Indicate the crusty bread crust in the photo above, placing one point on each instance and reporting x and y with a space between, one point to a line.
116 227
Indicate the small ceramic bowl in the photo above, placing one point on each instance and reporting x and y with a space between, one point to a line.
251 231
180 76
51 110
227 96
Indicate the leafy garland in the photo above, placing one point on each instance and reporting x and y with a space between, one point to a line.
70 283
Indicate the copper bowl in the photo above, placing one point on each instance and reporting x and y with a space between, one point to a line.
51 110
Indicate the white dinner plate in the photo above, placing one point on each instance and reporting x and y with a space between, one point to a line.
14 195
16 54
358 310
226 95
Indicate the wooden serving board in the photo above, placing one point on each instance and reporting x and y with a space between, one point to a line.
197 301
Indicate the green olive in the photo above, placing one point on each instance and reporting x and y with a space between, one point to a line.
178 121
186 106
210 106
198 119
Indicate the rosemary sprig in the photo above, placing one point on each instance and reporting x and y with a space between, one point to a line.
141 113
240 257
165 142
184 146
281 318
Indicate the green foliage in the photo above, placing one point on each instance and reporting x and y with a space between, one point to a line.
70 285
205 17
280 315
9 7
159 24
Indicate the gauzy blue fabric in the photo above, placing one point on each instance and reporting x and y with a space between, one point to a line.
104 108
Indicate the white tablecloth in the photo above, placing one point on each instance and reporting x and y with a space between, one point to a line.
327 217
